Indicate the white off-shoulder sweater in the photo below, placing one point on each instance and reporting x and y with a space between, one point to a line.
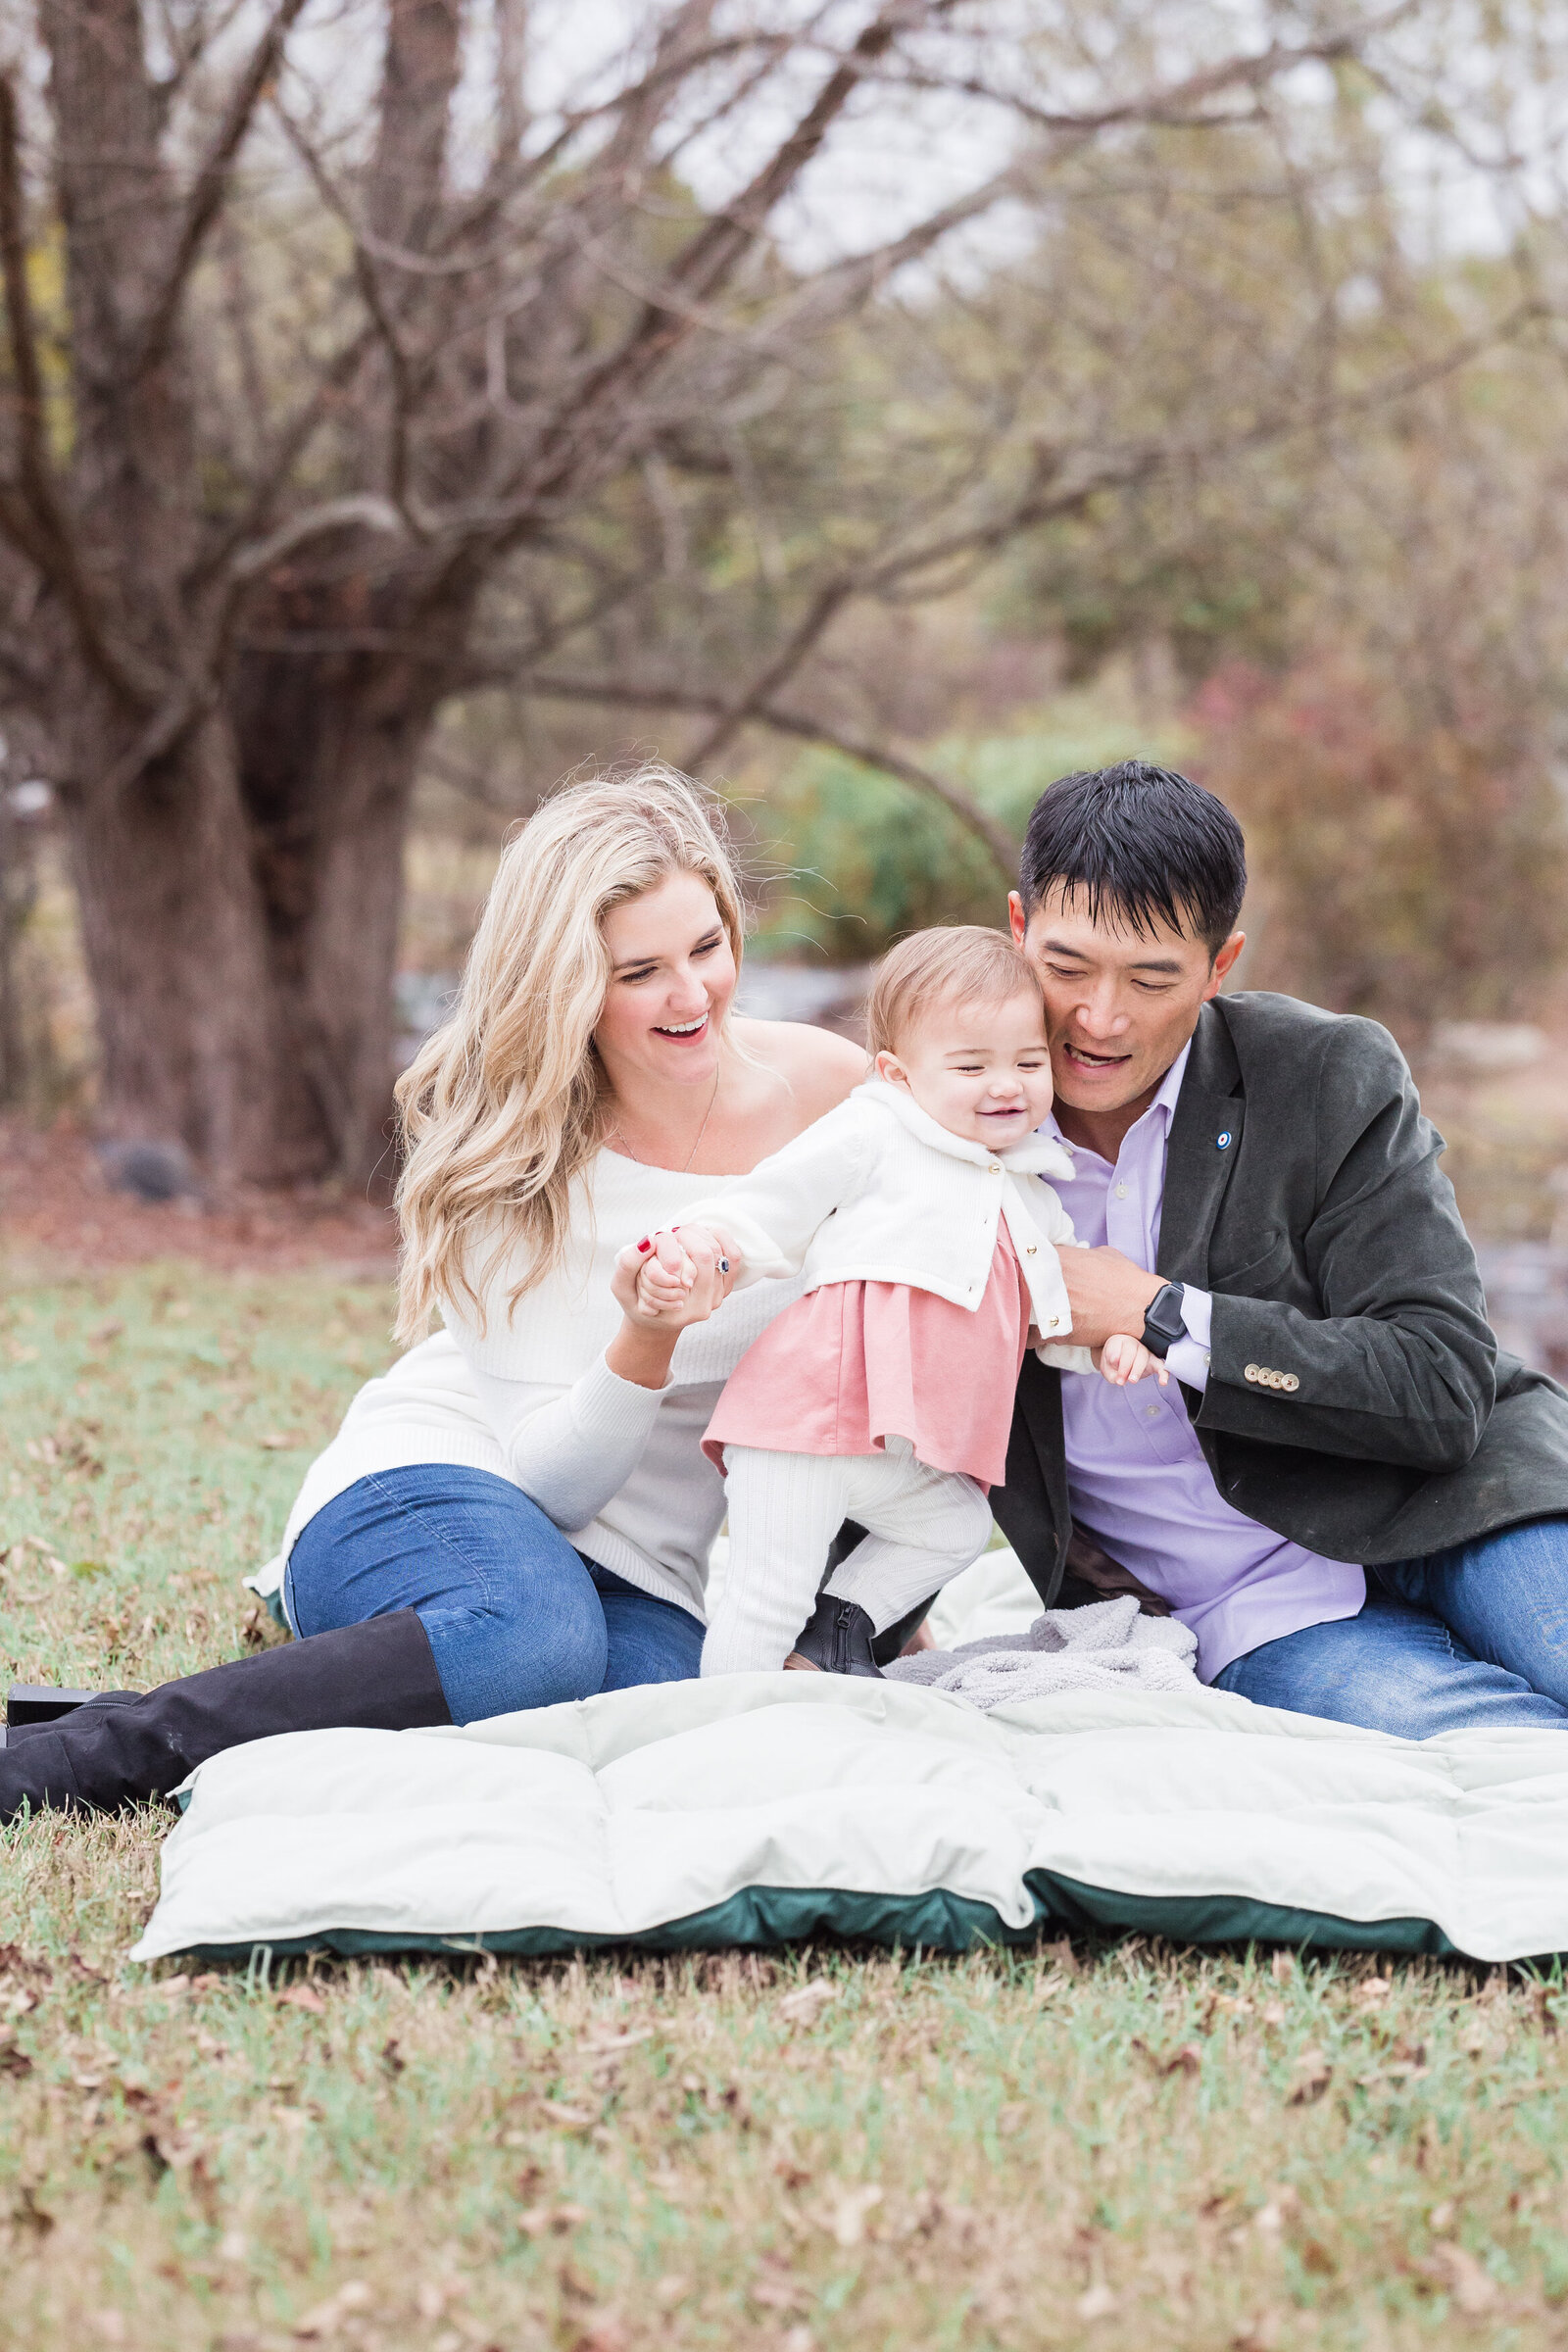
618 1468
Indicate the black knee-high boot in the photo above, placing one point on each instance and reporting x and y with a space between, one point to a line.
379 1676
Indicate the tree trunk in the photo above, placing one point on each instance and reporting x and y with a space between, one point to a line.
173 936
329 749
240 919
19 890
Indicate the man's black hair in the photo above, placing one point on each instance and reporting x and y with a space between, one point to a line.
1141 843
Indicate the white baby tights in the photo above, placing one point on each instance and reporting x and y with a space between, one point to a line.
925 1527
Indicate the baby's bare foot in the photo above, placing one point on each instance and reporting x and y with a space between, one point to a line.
796 1664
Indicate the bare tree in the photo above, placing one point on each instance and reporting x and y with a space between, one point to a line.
335 422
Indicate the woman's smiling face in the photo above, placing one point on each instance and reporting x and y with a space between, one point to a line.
671 977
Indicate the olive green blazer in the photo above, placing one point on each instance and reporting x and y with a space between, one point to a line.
1302 1190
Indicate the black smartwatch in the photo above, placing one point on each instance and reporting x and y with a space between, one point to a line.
1164 1322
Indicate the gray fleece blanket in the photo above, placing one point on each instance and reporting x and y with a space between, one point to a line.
1105 1646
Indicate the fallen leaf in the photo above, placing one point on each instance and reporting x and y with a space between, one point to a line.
847 2221
1096 2303
1316 2073
606 2332
322 2320
274 1442
35 2217
779 2294
603 2045
303 1997
1473 2289
571 2119
12 2060
806 2004
1281 1967
1545 2006
1185 2061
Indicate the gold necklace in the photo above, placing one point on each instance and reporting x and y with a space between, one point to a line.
617 1129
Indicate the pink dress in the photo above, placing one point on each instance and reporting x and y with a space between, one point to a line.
855 1363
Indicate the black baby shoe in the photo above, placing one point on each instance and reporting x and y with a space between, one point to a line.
837 1638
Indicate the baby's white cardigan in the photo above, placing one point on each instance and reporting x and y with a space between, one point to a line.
878 1192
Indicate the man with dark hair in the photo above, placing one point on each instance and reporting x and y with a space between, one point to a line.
1357 1504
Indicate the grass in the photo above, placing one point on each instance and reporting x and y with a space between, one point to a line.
1129 2148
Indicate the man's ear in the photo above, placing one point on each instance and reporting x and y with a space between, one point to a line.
1224 962
1016 917
890 1067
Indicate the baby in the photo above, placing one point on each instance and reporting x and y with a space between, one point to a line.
928 1235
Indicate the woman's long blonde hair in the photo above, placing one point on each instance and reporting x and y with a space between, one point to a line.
501 1108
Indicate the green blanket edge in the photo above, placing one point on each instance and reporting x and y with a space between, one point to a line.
935 1922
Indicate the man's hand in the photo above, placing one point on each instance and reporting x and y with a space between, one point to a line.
1108 1294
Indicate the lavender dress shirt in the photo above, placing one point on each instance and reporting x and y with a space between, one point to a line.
1136 1473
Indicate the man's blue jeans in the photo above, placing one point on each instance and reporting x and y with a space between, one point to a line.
516 1616
1475 1636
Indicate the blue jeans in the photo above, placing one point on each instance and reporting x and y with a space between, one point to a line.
1475 1636
515 1617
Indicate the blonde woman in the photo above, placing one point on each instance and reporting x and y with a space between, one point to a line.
519 1512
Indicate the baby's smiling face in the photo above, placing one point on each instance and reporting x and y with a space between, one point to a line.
982 1071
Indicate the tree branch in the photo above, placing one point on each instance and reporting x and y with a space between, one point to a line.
210 183
959 804
370 512
32 513
1174 103
290 445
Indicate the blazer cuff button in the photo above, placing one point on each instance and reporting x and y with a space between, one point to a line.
1251 1373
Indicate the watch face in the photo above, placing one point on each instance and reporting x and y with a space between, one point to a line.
1166 1313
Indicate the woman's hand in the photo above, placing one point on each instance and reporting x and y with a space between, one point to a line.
658 1311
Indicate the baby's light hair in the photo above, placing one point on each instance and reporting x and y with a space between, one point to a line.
962 965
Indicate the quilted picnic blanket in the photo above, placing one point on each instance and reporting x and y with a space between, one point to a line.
756 1809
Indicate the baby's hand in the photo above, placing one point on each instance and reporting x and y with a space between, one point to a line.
1124 1359
665 1275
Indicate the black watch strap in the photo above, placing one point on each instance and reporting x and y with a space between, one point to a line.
1164 1322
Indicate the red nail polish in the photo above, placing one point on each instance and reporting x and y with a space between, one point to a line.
645 1246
